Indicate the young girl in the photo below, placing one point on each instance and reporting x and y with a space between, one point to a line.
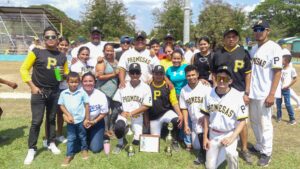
81 65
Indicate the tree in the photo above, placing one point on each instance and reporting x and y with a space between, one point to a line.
70 26
169 19
111 17
283 16
216 17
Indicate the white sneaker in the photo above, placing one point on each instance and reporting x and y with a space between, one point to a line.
45 143
52 147
62 139
30 156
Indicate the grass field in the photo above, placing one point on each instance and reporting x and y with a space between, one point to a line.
15 124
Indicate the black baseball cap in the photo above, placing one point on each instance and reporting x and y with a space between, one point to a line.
261 24
231 30
140 34
154 41
134 67
95 29
169 36
224 69
159 69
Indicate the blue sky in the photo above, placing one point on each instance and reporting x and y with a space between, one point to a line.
142 9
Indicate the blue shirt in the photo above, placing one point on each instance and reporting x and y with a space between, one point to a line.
177 77
74 103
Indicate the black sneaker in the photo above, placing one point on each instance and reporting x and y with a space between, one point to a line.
264 160
175 146
199 160
292 122
136 142
245 155
252 149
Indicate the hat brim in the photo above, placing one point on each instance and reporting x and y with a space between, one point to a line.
231 31
225 71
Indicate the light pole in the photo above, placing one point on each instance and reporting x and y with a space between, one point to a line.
186 25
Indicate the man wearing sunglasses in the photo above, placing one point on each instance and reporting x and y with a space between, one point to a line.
95 45
264 88
125 43
134 100
237 59
44 89
223 121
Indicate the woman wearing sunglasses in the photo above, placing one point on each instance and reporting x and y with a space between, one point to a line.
202 60
44 89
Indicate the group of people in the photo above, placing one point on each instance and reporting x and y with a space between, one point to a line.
207 95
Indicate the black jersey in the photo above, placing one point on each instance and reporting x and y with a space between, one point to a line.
203 65
43 68
163 99
239 63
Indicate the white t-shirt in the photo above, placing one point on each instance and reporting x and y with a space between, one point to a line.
264 59
98 104
192 100
134 97
95 52
188 56
146 62
225 112
287 76
78 67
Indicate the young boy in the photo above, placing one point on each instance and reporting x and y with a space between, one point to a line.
226 113
288 78
74 104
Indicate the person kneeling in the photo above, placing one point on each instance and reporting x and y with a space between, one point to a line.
225 118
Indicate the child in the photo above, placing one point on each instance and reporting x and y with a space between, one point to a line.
74 105
288 78
81 66
225 118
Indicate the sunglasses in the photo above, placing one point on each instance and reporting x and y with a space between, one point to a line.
222 78
259 29
134 72
50 37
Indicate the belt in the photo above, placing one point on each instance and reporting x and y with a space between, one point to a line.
220 132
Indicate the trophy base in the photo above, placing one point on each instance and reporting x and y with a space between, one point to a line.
130 154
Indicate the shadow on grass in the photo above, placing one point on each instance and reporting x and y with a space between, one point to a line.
9 135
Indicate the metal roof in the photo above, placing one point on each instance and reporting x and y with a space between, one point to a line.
35 12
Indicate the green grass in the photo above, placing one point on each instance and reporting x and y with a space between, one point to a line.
15 124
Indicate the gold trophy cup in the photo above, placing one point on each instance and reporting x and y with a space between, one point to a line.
169 140
129 134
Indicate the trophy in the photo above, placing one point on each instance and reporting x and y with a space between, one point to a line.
129 134
169 140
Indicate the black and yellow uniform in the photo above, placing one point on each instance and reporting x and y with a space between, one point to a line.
203 65
43 62
163 100
237 60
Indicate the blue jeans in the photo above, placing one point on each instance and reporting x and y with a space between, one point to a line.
76 133
287 97
187 139
95 136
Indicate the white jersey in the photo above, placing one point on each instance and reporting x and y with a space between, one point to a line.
287 76
264 58
192 100
78 67
146 62
134 97
188 56
98 104
95 52
225 112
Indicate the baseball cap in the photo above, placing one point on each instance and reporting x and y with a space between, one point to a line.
134 67
224 69
231 30
169 36
159 69
125 38
140 34
95 29
262 24
285 51
154 41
